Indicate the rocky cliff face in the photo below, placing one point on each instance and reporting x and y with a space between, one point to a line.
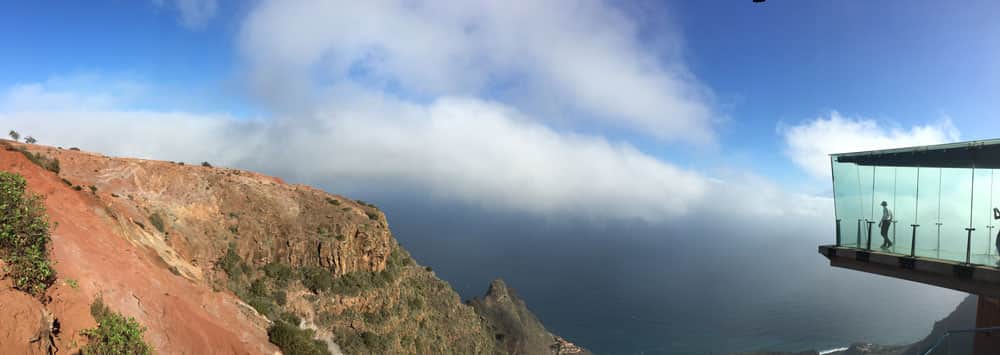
515 328
209 258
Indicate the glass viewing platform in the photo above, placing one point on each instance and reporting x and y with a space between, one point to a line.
941 201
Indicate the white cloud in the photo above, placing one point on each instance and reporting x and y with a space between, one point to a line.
456 148
194 14
359 96
809 143
584 58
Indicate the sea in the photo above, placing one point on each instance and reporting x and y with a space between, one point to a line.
703 284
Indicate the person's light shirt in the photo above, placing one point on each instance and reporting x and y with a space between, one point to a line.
886 214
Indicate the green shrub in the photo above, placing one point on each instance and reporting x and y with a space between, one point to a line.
50 164
332 201
114 334
77 188
372 215
316 279
24 236
206 164
93 188
279 273
359 281
262 305
230 263
365 343
295 341
156 220
290 318
279 297
340 237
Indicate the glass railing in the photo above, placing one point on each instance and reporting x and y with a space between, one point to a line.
934 212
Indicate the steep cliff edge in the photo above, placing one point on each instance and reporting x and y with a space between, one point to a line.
209 259
515 328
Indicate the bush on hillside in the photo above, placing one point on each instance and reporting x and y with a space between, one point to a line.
24 236
280 273
155 219
50 164
114 334
230 263
295 341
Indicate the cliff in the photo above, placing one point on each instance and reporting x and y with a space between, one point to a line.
210 259
515 328
963 317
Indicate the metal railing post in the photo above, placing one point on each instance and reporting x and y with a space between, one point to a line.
859 234
968 245
894 231
838 232
938 250
870 234
913 241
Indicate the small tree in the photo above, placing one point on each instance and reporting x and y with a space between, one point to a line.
14 135
30 140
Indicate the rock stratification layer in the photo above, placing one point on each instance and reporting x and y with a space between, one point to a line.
209 258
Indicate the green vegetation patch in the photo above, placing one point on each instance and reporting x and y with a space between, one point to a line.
156 220
50 164
114 334
230 263
24 236
281 274
295 341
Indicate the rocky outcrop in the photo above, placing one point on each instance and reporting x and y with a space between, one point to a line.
208 258
515 329
26 327
963 317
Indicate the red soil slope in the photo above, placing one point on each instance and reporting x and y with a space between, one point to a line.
92 248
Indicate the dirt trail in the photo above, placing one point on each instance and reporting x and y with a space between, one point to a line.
91 250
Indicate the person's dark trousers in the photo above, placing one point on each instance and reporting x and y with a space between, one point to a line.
885 233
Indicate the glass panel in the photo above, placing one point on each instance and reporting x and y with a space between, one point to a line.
904 208
929 212
956 189
847 201
866 180
982 218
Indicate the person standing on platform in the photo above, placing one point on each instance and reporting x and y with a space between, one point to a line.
884 225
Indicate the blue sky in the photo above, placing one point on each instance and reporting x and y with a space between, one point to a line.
746 75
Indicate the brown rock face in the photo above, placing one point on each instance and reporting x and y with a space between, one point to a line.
515 329
25 325
105 257
150 238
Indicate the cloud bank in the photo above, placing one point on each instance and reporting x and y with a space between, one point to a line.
455 148
367 102
563 58
808 144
